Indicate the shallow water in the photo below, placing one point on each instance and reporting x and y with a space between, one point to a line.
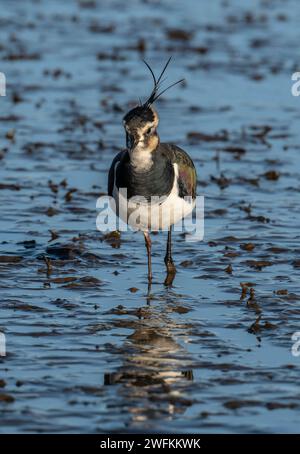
86 349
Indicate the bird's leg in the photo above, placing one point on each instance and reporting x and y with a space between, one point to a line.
171 270
148 247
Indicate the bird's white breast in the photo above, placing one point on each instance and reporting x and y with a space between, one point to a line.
160 215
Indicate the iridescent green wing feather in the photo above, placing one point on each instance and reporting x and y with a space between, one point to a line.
187 177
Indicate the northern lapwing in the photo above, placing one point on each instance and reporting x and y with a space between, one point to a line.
153 183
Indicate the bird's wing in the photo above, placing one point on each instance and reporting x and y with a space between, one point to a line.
111 173
187 177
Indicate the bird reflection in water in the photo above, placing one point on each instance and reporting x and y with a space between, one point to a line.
155 375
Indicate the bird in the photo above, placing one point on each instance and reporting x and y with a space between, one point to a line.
153 184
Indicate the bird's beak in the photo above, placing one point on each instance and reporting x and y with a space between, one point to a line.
127 141
131 141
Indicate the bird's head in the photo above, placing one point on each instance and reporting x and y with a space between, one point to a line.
141 122
140 126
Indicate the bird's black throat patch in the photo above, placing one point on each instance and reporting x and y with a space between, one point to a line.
157 181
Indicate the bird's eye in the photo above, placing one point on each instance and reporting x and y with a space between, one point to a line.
148 130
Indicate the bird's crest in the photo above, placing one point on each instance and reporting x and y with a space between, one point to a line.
155 94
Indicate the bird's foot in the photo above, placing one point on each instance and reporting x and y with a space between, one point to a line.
171 272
